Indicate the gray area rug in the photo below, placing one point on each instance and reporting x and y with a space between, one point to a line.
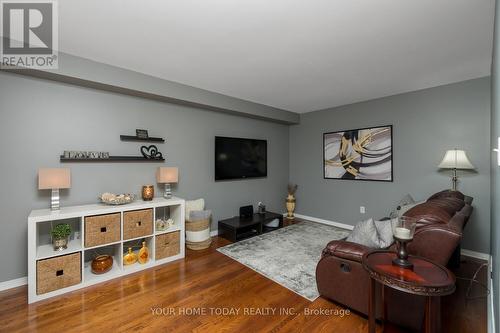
287 256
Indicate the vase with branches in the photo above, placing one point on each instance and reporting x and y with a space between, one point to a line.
290 201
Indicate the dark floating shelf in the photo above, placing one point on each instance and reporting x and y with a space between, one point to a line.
136 138
114 159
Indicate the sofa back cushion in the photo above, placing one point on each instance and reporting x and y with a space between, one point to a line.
447 194
450 204
435 242
428 213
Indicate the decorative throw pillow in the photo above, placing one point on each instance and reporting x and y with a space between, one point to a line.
384 230
406 200
194 205
403 209
197 215
365 233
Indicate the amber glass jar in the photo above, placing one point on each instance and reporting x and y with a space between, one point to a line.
148 192
102 264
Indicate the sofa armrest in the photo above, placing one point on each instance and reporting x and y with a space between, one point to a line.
468 200
345 250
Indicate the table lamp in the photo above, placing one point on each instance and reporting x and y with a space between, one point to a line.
54 179
167 176
455 159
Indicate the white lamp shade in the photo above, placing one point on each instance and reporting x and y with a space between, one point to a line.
167 175
455 159
55 178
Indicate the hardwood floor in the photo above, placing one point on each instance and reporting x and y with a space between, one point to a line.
180 297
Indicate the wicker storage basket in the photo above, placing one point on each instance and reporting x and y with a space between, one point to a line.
198 234
58 272
102 229
199 245
167 245
137 223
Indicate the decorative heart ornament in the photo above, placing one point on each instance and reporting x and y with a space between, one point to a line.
151 152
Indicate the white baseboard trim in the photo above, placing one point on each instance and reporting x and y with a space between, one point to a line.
323 221
309 218
475 254
491 305
13 283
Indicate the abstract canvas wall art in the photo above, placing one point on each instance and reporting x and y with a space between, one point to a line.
360 154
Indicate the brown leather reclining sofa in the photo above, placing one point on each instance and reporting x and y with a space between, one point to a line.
340 276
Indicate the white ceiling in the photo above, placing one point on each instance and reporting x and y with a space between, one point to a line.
295 55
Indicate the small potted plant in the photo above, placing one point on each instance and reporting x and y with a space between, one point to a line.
60 234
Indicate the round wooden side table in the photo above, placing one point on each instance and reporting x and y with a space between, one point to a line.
425 279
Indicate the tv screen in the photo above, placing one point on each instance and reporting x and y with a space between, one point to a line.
237 158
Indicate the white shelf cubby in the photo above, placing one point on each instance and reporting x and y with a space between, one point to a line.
41 221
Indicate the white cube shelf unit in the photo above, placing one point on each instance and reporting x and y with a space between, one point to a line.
110 230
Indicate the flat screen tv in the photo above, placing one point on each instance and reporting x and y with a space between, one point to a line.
237 158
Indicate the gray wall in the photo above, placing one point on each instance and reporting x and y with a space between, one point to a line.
495 168
39 119
426 124
89 73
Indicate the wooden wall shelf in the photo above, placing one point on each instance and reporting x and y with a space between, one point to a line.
136 138
113 159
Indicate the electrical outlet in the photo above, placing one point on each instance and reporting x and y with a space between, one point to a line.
362 209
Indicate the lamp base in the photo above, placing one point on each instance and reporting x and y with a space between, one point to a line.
454 180
168 191
55 200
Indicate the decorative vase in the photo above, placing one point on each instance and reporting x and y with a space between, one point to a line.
148 192
130 258
290 206
60 243
143 254
102 264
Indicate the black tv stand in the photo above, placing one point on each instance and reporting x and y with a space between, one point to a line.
238 228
